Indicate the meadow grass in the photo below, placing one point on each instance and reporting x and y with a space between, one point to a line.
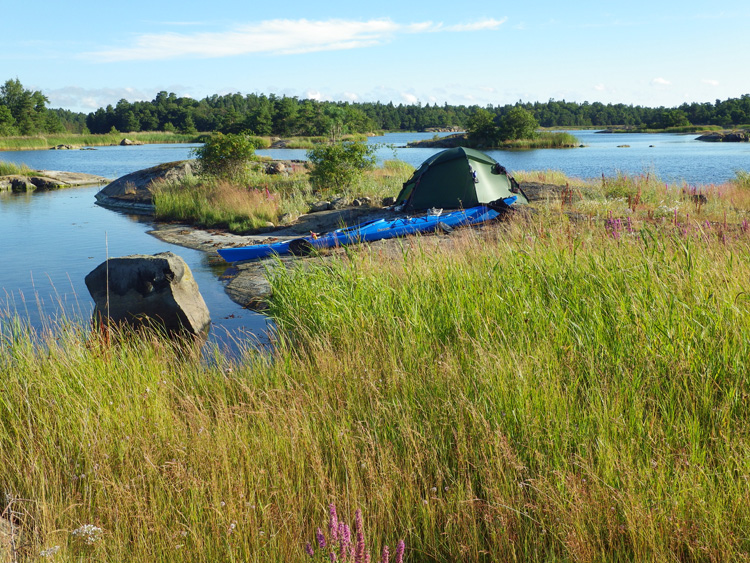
250 201
540 390
91 140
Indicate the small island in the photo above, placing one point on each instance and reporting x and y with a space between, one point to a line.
515 129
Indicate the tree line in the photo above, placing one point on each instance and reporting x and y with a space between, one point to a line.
25 112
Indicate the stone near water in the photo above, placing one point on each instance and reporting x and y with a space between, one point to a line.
141 290
135 191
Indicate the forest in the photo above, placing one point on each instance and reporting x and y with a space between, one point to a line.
26 112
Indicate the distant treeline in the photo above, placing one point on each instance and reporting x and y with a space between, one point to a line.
23 112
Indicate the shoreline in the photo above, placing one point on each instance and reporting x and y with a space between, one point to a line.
246 283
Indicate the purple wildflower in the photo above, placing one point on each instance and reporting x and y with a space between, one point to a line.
386 557
309 549
344 540
332 557
359 554
333 523
400 551
321 538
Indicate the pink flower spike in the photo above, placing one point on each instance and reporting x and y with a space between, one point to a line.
333 523
359 554
400 551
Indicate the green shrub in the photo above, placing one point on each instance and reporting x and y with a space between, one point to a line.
339 165
225 155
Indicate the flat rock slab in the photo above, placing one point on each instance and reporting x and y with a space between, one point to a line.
43 180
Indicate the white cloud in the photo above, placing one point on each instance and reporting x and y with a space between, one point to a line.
350 96
409 98
600 88
279 37
313 95
486 23
710 82
660 82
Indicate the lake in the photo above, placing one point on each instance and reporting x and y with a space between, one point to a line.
51 240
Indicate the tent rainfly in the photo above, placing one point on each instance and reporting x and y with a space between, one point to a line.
458 178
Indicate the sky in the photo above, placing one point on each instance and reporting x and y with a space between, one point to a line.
651 53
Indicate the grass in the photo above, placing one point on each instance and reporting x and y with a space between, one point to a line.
248 203
12 169
90 140
544 140
569 385
540 391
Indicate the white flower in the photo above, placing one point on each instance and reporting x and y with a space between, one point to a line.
50 551
88 534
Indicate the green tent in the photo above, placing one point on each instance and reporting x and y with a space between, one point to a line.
458 178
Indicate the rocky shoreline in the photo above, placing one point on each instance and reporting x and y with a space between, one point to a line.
726 137
43 180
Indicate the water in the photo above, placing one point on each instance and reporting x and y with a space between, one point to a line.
674 158
51 240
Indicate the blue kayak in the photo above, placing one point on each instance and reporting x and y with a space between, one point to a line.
367 232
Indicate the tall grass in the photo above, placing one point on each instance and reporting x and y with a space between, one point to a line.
92 140
12 169
545 391
249 202
544 140
212 202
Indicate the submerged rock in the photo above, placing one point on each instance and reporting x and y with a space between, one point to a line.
141 290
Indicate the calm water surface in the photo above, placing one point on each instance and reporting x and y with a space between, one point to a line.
51 240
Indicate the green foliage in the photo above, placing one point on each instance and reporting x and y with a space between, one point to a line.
24 112
337 166
518 123
225 155
482 129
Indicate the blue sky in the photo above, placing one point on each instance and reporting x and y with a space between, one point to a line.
653 53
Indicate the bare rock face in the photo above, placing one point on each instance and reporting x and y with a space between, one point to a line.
135 191
145 289
275 167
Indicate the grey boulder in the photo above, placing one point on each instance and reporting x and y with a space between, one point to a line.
141 290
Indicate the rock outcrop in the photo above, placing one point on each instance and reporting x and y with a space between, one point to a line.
142 290
135 191
48 180
726 137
